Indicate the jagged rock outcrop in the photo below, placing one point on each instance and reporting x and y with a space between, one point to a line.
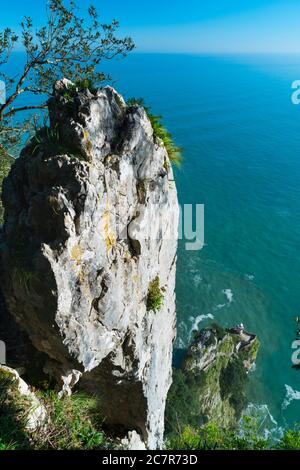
77 258
210 385
220 361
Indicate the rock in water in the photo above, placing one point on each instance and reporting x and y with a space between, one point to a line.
91 218
210 386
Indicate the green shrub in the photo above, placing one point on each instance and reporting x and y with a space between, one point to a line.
155 296
248 436
182 407
211 436
233 380
161 134
290 441
214 437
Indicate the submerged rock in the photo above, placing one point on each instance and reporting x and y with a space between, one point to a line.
78 260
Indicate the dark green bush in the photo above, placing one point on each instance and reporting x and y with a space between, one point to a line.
182 403
233 381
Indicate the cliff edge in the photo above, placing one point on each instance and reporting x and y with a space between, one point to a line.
88 255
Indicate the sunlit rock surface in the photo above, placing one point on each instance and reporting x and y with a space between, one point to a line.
77 257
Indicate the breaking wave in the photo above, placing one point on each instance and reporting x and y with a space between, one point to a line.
268 427
229 294
290 396
197 320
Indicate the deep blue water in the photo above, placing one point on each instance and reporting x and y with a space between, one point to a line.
241 138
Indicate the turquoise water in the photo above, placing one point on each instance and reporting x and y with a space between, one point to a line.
241 139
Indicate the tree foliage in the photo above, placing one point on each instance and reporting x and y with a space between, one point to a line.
67 45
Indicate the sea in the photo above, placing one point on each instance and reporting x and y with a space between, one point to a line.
240 133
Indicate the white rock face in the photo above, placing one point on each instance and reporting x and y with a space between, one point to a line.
36 415
89 225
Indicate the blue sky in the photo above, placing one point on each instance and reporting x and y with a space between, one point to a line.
193 26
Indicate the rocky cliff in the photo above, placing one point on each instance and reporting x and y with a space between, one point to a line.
210 385
88 255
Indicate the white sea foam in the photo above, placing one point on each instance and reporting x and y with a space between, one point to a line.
181 344
197 280
229 294
261 412
197 320
268 427
290 396
220 306
250 277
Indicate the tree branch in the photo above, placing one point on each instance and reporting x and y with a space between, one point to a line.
23 108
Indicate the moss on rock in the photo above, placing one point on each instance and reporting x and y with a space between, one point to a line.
211 385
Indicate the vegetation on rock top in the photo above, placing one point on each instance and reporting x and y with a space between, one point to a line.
216 393
161 134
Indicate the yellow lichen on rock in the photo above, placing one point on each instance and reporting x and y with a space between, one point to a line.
109 237
77 254
87 141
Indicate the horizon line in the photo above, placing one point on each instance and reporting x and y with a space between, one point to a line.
206 53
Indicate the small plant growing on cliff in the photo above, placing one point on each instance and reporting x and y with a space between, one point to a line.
155 296
49 141
79 85
161 134
46 139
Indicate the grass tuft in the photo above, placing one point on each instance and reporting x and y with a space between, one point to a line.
48 140
74 424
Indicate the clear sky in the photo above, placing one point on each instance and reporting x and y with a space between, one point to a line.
195 26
